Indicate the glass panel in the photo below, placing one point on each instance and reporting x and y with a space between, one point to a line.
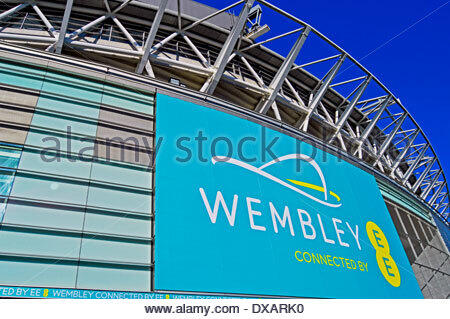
120 224
110 278
35 214
68 106
121 174
72 86
6 181
131 100
22 76
37 187
62 143
15 271
2 208
54 164
119 250
64 124
9 157
119 199
38 243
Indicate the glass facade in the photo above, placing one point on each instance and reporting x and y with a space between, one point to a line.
75 181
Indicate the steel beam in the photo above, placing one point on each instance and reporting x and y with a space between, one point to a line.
327 115
133 42
406 134
444 209
44 19
316 61
151 36
322 90
422 176
63 30
13 10
276 111
374 120
252 71
378 98
108 8
402 154
282 73
350 130
121 6
432 184
163 42
348 110
391 135
227 49
196 51
25 37
441 202
271 39
349 81
179 14
414 164
418 148
212 15
87 27
127 34
71 37
294 91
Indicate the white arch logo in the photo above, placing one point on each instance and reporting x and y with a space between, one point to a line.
260 171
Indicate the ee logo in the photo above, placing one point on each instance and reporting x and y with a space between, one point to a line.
385 261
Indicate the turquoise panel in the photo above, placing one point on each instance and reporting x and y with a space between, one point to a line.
72 86
33 273
9 157
54 164
70 106
126 99
2 208
50 190
65 124
17 75
115 250
34 215
49 141
120 174
90 277
28 242
126 225
6 181
119 199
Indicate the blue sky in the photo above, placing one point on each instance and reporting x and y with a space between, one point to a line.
415 65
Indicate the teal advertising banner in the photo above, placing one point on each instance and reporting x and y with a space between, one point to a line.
240 208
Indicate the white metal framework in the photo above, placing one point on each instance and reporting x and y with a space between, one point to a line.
150 36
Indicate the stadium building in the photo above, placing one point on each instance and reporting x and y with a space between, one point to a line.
159 149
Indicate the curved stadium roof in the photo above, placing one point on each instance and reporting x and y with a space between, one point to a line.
218 53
